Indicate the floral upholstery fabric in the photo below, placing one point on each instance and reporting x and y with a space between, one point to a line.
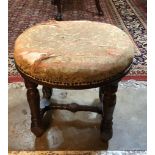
73 51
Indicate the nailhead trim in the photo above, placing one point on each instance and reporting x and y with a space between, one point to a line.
47 81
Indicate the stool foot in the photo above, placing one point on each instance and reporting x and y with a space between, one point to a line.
58 3
108 94
33 99
106 130
58 17
100 12
37 131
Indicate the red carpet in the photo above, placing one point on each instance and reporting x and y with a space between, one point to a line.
129 15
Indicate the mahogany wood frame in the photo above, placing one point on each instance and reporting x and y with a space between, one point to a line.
107 95
58 3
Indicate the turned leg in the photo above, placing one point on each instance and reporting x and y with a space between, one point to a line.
33 99
45 101
47 92
101 94
100 12
108 100
59 10
53 2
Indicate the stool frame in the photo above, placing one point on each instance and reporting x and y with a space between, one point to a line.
107 96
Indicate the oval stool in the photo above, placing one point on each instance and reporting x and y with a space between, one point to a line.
73 55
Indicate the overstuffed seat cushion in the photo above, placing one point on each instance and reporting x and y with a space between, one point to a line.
73 52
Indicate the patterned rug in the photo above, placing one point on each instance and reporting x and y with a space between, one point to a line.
129 15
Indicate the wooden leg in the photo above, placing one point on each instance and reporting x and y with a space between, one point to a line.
101 94
47 92
109 101
34 104
53 2
100 12
45 101
59 10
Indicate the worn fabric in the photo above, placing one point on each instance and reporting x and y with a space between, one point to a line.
73 51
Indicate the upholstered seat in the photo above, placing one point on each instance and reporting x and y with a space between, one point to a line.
73 52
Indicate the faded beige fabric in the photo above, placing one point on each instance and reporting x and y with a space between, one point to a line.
73 51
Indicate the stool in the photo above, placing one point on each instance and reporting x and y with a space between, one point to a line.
73 55
58 3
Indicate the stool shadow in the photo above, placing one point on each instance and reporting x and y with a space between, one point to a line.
42 143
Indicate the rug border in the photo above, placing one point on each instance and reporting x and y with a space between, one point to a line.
13 79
